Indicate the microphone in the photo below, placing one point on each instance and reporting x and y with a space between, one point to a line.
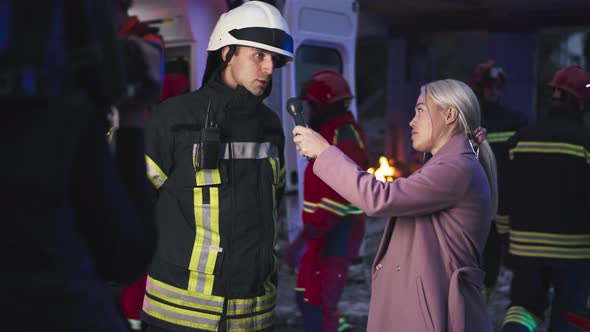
295 109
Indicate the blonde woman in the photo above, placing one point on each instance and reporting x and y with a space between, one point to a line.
426 274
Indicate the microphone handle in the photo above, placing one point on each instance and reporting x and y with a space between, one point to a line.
299 121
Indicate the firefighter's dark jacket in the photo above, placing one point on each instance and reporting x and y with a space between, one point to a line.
501 124
217 227
549 192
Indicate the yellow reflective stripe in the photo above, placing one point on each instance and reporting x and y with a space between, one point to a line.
154 173
502 229
275 172
282 176
502 219
134 324
502 223
498 137
550 238
520 315
257 304
183 297
332 207
275 169
549 252
199 236
207 177
358 137
178 316
250 323
214 233
203 282
207 240
550 148
354 210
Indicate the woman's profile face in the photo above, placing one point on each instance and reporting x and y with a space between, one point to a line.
427 124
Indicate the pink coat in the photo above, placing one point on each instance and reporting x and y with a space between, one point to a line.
426 274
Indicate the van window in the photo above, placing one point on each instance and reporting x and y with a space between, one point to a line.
310 59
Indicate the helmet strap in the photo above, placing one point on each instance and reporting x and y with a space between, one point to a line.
229 55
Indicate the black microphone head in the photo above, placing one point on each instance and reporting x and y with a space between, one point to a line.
294 106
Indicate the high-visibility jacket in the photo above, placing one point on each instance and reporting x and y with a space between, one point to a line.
501 123
334 228
323 208
217 227
549 192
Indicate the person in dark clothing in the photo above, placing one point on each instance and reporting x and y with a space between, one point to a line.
549 187
487 81
75 217
215 159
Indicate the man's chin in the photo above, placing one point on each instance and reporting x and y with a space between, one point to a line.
257 92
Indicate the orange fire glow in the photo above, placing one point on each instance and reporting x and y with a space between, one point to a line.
385 172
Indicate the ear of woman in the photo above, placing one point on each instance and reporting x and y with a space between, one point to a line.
452 115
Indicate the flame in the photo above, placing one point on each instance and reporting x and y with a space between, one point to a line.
385 172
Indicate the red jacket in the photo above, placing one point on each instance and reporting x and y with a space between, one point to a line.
324 209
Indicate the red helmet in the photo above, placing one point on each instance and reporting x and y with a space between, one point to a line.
574 80
487 74
326 87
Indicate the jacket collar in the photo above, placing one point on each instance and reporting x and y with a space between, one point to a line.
457 145
238 98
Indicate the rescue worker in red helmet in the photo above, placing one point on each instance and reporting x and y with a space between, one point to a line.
333 229
549 229
487 81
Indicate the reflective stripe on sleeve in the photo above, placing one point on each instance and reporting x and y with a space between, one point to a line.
521 316
155 173
549 245
551 148
502 224
332 207
500 137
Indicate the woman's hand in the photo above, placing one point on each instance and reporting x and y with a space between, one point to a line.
309 143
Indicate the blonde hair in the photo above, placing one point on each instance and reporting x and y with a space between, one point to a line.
452 93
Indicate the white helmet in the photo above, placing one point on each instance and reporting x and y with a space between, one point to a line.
255 24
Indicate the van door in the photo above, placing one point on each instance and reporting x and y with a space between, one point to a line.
324 34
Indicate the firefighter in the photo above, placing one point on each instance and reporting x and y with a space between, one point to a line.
549 186
215 158
487 81
333 229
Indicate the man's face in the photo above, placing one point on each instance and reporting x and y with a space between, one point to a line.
251 68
